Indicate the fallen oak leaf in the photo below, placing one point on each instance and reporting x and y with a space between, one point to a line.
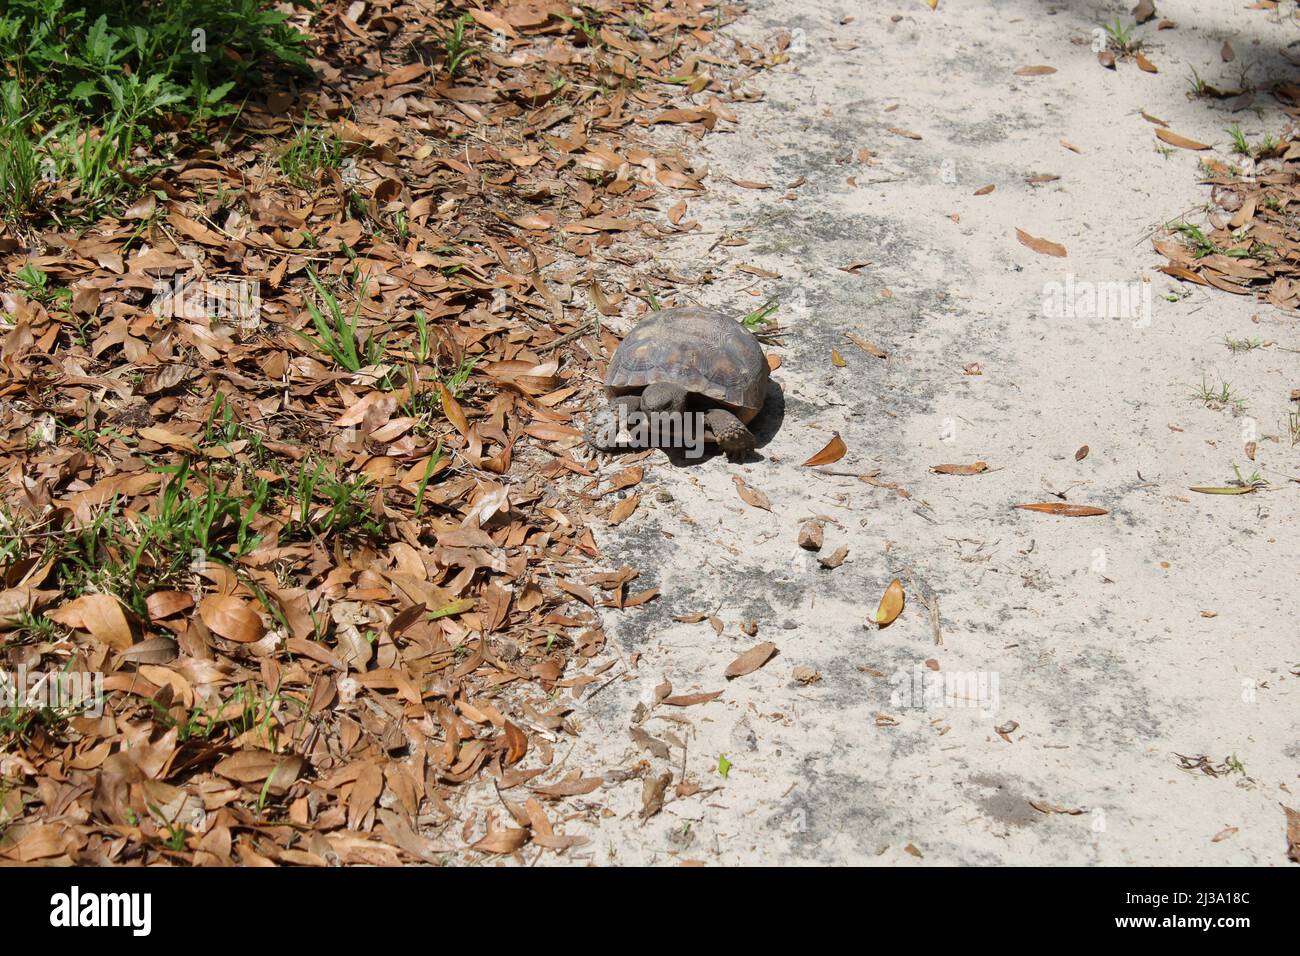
162 436
976 468
1043 247
752 496
835 559
1144 64
231 618
891 604
831 453
1174 139
1035 71
574 785
506 840
870 348
1063 509
751 660
253 766
690 700
624 509
451 408
101 615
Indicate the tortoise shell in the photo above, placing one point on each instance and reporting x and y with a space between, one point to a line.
708 353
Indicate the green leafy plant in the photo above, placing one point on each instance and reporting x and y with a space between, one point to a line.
337 334
1121 38
105 76
1239 143
455 45
761 318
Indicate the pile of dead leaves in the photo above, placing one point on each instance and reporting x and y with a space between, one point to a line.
1251 245
290 456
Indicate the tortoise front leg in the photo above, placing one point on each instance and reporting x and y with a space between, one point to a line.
730 433
607 429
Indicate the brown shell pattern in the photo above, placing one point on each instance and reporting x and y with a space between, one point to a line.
707 352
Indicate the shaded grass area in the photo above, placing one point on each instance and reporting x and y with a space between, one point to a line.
95 94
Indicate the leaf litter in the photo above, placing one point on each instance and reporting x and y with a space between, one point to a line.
291 457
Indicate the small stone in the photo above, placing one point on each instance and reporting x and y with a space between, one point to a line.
663 497
810 535
750 628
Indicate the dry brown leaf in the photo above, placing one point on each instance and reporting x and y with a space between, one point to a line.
624 509
834 559
973 469
1043 247
451 408
832 452
256 766
1063 509
1182 142
101 615
506 840
1035 71
752 496
750 660
232 618
690 700
870 348
1144 64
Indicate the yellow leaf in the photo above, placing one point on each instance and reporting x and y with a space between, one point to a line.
891 605
451 408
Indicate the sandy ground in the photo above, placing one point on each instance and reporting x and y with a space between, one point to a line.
1107 645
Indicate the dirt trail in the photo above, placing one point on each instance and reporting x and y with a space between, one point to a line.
1106 645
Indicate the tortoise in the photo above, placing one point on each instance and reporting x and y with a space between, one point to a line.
686 360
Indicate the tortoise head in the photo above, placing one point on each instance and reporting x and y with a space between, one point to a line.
662 397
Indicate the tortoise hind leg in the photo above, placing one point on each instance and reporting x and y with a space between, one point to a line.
608 429
730 433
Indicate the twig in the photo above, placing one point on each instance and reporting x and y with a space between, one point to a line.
568 337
